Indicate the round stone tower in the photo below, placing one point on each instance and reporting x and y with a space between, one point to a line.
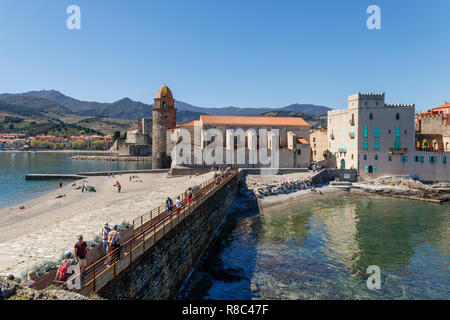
164 118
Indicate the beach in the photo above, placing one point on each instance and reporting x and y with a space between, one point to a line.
48 226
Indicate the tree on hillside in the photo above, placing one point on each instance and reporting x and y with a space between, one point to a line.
98 144
116 135
79 145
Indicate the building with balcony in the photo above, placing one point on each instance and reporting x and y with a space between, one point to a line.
379 139
319 144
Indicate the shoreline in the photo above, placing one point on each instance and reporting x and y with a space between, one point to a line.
49 226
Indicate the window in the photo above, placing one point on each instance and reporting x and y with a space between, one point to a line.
365 157
390 158
371 116
352 156
375 169
366 145
432 159
314 152
404 158
377 103
314 139
397 132
397 145
377 132
299 152
444 159
416 159
377 145
389 131
421 158
405 131
397 116
366 131
376 157
366 104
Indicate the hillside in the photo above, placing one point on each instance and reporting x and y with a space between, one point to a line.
314 120
133 110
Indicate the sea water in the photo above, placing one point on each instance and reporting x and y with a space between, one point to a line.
322 249
15 166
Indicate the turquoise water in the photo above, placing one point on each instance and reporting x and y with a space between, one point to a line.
14 189
321 250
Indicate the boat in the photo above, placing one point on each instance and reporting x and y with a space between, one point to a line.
13 155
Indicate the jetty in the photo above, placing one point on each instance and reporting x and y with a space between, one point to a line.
47 176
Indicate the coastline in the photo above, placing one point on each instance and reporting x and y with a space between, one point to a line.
282 201
49 226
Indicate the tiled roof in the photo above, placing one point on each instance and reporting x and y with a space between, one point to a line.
253 121
187 124
302 141
446 105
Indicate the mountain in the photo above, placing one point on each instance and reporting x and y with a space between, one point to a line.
308 109
133 110
315 121
38 104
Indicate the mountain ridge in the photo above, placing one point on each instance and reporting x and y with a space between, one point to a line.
127 108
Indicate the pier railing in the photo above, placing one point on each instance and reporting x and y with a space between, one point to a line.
148 230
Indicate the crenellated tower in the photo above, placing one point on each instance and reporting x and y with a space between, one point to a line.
164 118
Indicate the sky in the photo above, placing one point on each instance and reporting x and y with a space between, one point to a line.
217 53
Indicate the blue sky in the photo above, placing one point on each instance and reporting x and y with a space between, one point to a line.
217 53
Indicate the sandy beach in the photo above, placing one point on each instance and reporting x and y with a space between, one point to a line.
49 226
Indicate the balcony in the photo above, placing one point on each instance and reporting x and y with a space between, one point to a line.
351 135
398 150
332 136
352 122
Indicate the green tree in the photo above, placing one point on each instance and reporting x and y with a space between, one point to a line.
116 135
36 144
325 154
79 145
59 146
98 144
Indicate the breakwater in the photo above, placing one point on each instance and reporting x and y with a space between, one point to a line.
113 158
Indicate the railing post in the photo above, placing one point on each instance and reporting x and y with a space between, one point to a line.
94 277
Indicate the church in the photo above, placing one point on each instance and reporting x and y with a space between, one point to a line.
289 134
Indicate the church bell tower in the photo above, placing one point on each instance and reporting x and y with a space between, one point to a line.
164 118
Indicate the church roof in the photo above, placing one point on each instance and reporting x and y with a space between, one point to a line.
247 121
164 92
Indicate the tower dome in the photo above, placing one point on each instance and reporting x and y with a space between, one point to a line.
164 92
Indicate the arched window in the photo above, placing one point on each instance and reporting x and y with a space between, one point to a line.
435 144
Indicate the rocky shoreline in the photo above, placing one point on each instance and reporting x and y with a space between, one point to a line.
399 187
111 158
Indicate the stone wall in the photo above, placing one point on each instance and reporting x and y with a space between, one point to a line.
326 175
161 273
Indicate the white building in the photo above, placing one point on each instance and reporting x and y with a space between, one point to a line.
379 140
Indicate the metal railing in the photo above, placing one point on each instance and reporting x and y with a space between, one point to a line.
147 232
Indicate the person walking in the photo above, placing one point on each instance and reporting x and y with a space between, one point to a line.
119 187
178 205
80 254
113 244
169 205
189 196
105 232
60 184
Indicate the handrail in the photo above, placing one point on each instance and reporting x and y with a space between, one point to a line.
146 230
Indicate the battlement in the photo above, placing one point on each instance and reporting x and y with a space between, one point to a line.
400 106
371 96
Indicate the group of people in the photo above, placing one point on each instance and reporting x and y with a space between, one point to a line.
110 242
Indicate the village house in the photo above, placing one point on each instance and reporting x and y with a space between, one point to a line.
379 139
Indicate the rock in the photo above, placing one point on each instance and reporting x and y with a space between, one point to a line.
7 289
